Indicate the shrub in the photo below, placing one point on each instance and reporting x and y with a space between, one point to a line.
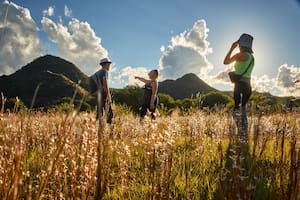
215 99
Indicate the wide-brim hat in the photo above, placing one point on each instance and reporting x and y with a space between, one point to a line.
245 40
104 60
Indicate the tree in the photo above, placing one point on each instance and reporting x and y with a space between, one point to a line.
212 99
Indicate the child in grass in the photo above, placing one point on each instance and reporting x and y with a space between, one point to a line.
150 94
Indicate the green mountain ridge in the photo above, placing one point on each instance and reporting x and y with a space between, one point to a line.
43 71
186 86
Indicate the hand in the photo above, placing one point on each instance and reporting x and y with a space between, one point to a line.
152 106
108 100
234 45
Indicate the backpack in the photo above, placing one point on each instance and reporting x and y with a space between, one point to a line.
94 84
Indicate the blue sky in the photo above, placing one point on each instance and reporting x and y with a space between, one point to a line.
176 36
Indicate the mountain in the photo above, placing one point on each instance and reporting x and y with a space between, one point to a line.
185 87
55 77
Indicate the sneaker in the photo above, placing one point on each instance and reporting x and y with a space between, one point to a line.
153 116
235 113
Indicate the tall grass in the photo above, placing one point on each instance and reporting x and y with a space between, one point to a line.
198 156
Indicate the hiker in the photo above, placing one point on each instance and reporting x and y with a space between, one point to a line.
244 63
150 94
101 80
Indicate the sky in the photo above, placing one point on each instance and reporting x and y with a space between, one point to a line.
174 36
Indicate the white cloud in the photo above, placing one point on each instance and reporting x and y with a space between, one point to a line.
77 43
68 11
285 79
19 39
49 11
127 74
187 53
222 77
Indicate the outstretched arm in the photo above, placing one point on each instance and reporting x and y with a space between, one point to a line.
141 79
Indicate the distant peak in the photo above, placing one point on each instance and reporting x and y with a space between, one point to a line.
190 75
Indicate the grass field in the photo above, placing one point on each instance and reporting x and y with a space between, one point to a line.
197 156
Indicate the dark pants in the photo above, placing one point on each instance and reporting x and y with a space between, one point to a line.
110 113
242 93
146 106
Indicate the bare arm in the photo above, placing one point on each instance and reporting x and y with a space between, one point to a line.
106 89
142 79
297 81
154 93
237 57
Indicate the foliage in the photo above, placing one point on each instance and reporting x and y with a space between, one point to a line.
67 104
212 99
13 104
131 96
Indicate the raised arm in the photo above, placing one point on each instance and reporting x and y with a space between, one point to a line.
237 57
142 79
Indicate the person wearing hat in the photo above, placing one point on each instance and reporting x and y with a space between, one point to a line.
102 79
150 94
243 65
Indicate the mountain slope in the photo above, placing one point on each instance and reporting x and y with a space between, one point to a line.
46 71
185 87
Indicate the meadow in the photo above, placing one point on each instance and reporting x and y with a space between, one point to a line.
196 155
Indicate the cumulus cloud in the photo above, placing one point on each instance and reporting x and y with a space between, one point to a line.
127 74
285 79
49 12
222 77
76 42
187 53
19 40
68 11
282 85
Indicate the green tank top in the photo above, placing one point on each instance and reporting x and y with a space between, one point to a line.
240 67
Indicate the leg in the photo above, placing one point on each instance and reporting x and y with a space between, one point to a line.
153 110
245 98
143 111
237 95
237 100
110 115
